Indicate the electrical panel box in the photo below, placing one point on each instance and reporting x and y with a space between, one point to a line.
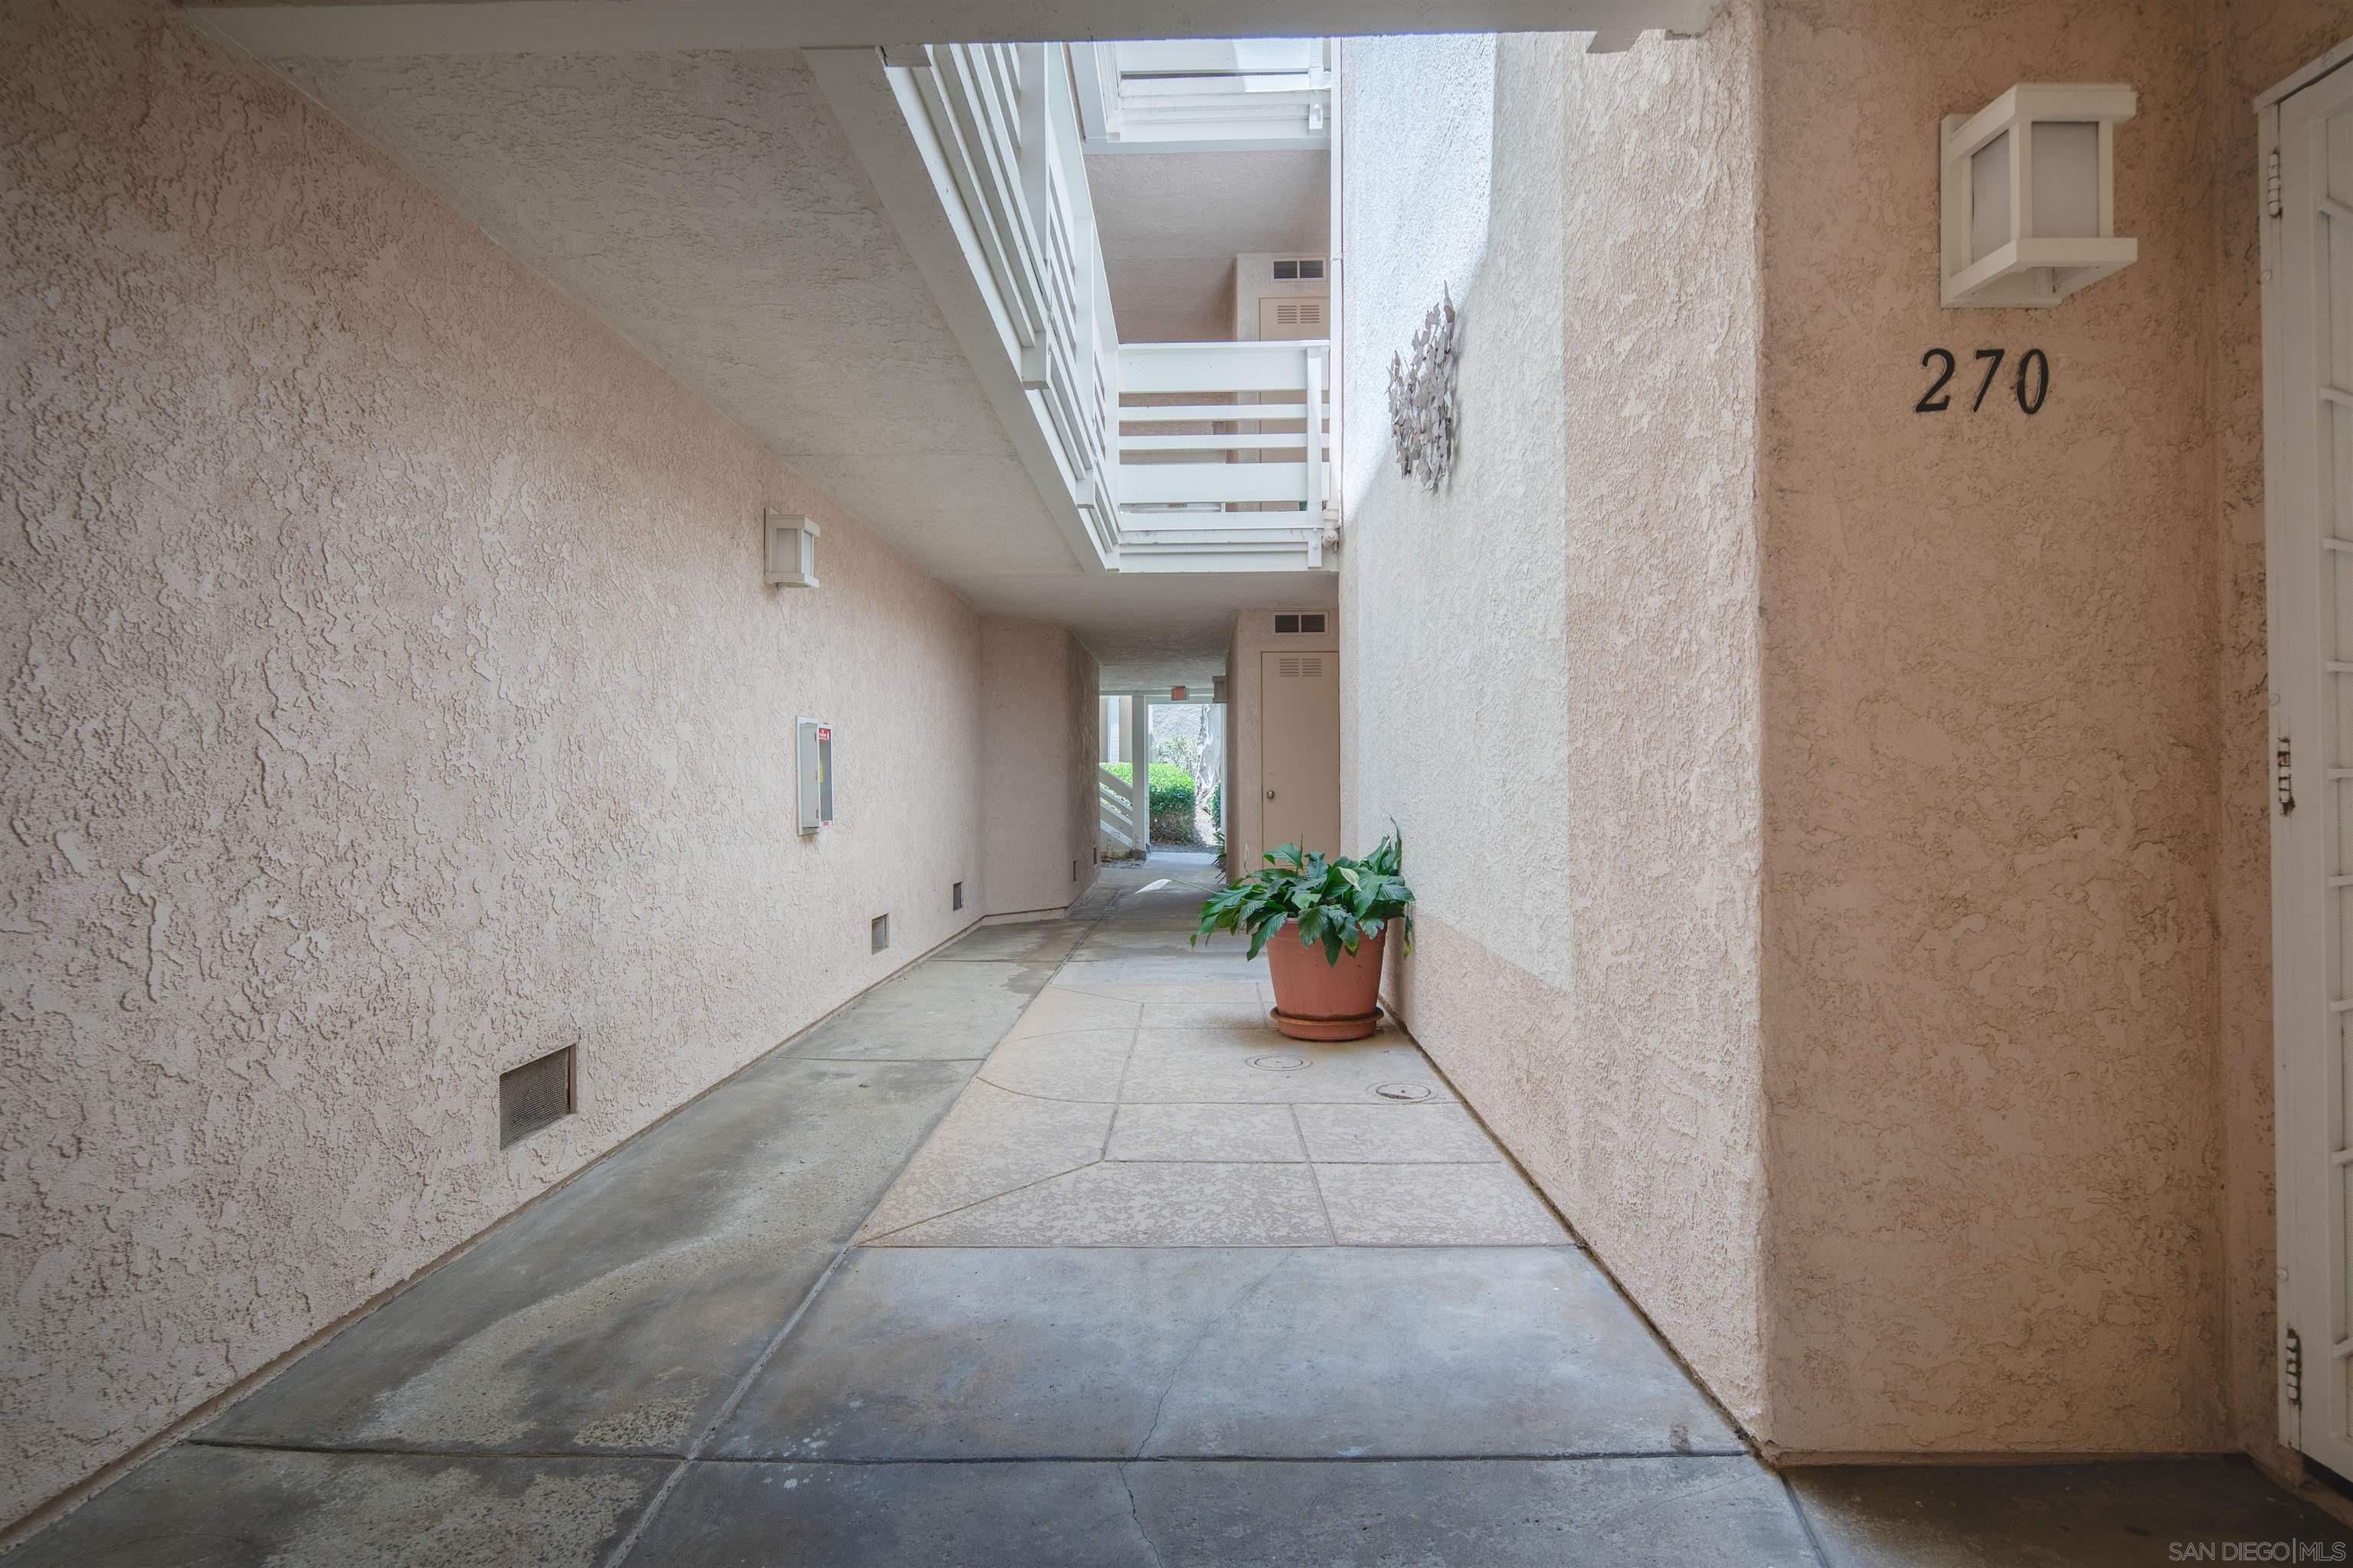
814 755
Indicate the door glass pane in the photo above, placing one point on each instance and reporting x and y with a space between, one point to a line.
2334 480
2336 158
2337 254
2343 1188
2342 937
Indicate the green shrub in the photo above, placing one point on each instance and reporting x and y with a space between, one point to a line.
1171 788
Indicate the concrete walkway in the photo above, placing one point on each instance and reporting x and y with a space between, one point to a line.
1051 1252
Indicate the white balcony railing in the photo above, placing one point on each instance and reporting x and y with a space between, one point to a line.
1224 450
1008 128
1115 813
1205 94
1152 457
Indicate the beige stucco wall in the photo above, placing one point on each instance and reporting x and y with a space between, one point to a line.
2011 1189
1244 801
1038 738
1551 665
1991 760
391 697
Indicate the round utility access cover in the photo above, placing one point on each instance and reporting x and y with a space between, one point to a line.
1278 1064
1402 1091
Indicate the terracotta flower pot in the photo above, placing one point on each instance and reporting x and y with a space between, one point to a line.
1316 1000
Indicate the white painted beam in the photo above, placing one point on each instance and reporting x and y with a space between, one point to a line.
1280 440
1172 483
1189 413
359 29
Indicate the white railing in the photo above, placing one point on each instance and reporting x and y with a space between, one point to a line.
1115 810
1007 129
1205 94
1151 456
1224 447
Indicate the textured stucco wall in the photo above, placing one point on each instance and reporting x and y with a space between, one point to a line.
1991 762
390 696
1037 747
1551 665
1245 798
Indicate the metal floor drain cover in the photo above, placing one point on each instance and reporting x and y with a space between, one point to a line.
1278 1064
1402 1091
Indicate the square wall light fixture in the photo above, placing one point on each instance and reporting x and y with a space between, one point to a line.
789 558
2030 195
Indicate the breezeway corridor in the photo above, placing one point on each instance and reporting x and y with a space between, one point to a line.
1049 1252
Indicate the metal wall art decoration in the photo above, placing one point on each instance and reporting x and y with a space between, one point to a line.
1422 414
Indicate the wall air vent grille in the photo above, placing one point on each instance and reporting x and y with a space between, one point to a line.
1286 625
1308 666
535 1095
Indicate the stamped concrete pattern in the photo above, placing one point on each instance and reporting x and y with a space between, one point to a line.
1214 1131
948 1281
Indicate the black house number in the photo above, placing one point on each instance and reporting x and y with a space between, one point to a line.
2030 383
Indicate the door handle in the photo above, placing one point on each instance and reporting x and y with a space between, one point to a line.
1269 794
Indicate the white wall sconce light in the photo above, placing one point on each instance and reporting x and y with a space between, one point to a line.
790 558
2030 195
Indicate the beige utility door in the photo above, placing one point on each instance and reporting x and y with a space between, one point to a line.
1299 750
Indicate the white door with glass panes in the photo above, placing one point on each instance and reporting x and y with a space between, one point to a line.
2307 256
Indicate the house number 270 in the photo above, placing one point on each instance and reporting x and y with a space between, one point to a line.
2031 383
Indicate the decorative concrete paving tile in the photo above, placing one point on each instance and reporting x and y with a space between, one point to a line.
1437 1352
991 1142
897 1516
1133 1204
616 1314
1061 1009
1625 1513
1084 1064
195 1506
1394 1134
1158 968
931 1013
1207 1065
1436 1206
1022 941
2085 1516
1172 938
945 1353
1234 999
1227 1132
958 1354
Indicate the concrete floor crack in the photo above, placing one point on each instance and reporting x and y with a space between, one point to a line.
1137 1516
1151 1427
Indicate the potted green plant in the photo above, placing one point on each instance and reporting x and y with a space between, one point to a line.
1327 983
